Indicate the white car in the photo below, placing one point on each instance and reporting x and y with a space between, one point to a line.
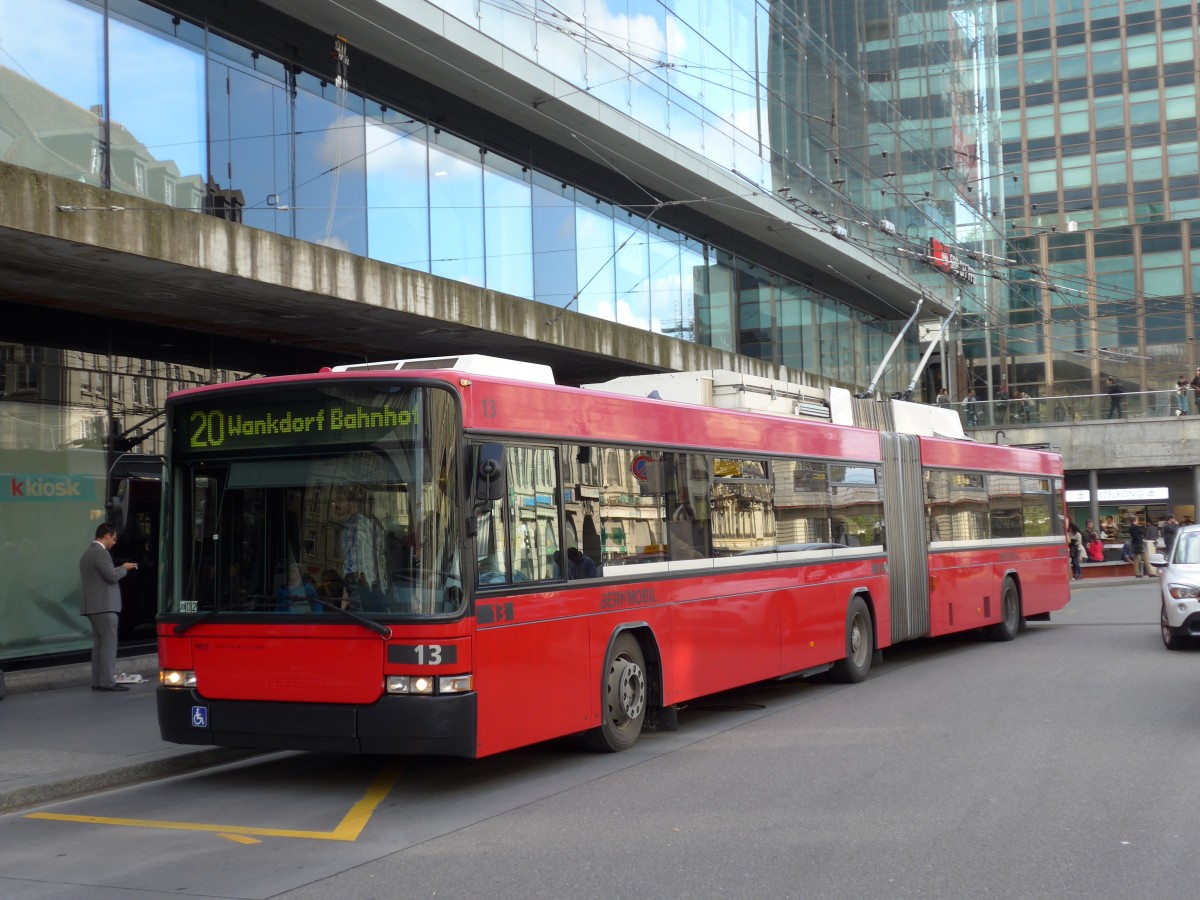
1179 577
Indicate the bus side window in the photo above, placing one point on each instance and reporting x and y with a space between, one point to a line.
522 546
490 545
689 528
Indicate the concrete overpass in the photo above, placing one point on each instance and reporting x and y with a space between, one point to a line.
88 268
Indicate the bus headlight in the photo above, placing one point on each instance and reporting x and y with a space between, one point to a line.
177 678
425 684
409 684
456 684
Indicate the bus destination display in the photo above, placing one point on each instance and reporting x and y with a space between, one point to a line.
237 425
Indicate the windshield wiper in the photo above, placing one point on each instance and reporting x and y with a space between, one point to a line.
355 617
195 620
376 627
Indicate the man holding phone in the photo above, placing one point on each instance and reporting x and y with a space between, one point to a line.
101 603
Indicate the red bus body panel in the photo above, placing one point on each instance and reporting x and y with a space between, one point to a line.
537 657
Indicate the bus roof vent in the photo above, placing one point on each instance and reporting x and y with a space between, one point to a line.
470 364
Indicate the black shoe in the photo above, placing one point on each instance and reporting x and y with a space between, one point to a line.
109 687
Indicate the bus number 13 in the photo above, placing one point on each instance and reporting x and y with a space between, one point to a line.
423 654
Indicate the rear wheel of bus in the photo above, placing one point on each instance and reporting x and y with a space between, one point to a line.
860 645
624 697
1010 614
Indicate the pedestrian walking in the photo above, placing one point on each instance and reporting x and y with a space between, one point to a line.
972 406
1075 548
1137 543
1114 399
100 601
1169 530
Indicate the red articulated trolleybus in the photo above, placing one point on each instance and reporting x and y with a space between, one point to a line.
418 557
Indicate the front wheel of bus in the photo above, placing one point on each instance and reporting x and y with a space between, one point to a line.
860 645
624 697
1010 615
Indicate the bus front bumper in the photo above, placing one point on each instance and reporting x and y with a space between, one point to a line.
404 725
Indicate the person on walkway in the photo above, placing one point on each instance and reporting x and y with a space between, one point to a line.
1194 384
1027 408
971 405
1075 547
1114 399
1169 530
1181 396
1137 543
943 398
1092 542
101 603
1153 535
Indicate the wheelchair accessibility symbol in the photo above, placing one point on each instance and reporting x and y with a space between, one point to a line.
200 716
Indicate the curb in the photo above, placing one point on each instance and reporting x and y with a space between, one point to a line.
1120 581
53 678
73 786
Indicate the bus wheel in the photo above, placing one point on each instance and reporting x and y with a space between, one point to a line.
860 645
1010 615
624 697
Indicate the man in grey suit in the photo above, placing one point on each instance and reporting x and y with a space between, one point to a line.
101 602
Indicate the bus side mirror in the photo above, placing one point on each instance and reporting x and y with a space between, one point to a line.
490 480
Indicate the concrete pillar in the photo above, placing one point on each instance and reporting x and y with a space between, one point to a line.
1195 492
1094 496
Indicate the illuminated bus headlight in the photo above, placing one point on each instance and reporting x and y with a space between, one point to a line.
409 684
424 684
456 684
177 678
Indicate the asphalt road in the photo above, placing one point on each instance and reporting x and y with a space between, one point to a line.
1059 765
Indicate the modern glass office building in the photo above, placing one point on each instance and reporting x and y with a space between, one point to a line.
758 177
1103 223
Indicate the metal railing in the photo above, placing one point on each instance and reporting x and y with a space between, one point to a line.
1076 408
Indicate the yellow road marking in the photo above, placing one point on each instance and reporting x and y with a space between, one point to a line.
240 839
348 829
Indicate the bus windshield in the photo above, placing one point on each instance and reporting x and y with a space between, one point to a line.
360 517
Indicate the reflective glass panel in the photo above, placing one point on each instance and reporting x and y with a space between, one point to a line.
156 90
508 227
456 210
51 117
397 192
331 178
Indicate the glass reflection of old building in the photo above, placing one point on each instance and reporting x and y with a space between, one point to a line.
813 118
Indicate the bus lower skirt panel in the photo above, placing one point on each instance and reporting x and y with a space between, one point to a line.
441 726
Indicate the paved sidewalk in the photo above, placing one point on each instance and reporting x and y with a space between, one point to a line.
60 739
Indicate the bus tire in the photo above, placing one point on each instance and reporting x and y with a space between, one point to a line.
860 645
624 697
1010 614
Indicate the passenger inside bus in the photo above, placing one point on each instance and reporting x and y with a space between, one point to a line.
364 552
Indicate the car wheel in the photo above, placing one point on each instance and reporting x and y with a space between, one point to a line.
1171 640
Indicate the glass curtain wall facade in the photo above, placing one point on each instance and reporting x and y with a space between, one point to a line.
802 98
841 113
1100 119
